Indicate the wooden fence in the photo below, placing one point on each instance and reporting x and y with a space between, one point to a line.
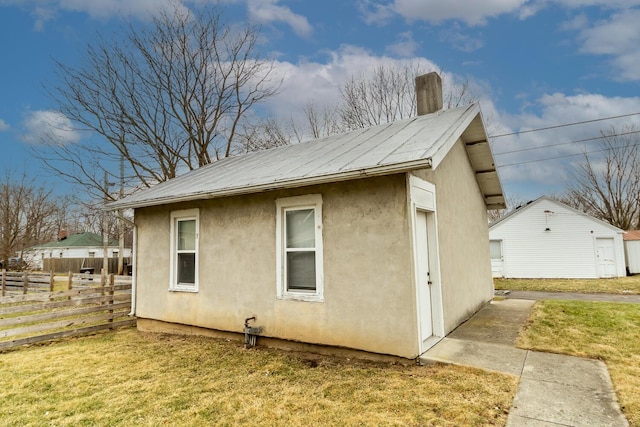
61 265
87 303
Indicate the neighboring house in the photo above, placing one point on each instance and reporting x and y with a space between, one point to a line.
548 239
373 240
72 253
632 251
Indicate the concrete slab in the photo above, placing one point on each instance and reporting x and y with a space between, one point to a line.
554 390
498 322
493 357
567 370
518 421
576 296
565 405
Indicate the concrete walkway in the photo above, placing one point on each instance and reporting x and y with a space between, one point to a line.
536 295
554 390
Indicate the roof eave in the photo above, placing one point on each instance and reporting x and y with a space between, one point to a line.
279 185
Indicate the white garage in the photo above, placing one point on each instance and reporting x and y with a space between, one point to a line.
548 239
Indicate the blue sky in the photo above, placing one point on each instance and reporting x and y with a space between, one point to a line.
532 64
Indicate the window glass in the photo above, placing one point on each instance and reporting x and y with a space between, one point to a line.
186 268
187 235
301 228
495 247
301 271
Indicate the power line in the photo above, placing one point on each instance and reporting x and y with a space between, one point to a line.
566 143
564 125
561 157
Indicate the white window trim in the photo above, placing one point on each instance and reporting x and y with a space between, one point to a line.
310 201
182 215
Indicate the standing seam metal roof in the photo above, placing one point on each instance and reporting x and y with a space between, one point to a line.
419 142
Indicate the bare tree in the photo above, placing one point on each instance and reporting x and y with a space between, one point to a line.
27 216
608 186
513 202
382 95
167 97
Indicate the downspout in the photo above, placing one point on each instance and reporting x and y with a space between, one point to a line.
134 253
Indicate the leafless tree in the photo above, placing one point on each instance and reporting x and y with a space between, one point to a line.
27 215
382 95
167 97
513 201
608 186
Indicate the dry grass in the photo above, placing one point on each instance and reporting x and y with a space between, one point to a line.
606 331
130 378
618 285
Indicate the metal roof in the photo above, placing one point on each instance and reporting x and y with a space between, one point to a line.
415 143
81 240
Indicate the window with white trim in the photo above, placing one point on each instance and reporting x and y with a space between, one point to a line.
299 247
184 250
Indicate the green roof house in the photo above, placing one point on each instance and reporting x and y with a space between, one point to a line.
83 247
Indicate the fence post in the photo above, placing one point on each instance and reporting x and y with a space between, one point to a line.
111 292
51 281
25 283
4 281
70 281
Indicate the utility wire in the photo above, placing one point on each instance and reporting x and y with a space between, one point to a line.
564 125
565 143
562 157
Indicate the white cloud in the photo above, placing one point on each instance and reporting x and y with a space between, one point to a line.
471 12
308 82
405 47
375 13
46 10
48 126
460 41
4 126
267 11
619 38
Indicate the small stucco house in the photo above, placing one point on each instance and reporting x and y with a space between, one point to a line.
72 252
631 241
548 239
373 240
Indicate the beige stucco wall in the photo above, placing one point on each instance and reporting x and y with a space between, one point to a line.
368 281
463 235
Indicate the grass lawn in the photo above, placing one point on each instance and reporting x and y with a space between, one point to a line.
130 378
618 285
606 331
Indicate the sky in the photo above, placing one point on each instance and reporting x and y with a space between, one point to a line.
532 64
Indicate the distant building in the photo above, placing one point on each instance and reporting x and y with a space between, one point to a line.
548 239
73 253
632 251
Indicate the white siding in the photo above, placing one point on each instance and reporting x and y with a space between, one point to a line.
547 239
632 255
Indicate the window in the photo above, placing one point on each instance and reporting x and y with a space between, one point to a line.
299 247
184 250
92 254
495 247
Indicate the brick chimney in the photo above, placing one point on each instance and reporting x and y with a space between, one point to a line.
429 93
62 234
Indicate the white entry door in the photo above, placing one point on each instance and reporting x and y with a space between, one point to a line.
497 259
606 257
424 278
